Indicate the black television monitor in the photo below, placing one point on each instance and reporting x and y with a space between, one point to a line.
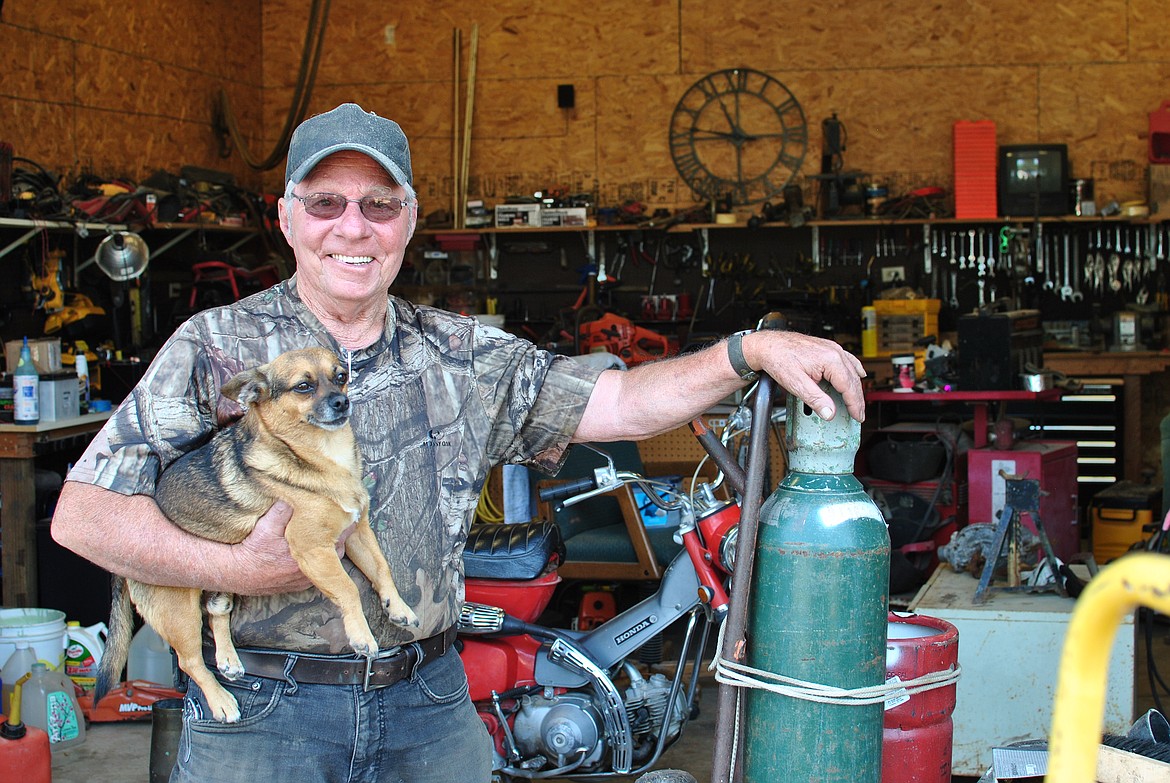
1033 180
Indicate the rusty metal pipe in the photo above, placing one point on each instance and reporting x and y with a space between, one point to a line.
720 455
727 728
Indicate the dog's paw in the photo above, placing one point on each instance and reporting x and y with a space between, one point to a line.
231 668
400 614
367 646
224 707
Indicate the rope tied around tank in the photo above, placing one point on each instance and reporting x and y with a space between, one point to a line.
741 675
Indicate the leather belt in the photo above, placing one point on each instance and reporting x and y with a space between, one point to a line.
380 671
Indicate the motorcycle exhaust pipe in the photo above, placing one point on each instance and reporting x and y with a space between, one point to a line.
483 620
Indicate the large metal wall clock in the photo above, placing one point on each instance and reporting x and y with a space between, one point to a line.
738 133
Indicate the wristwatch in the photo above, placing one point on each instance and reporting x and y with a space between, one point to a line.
735 355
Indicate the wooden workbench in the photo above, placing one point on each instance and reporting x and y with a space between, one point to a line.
19 446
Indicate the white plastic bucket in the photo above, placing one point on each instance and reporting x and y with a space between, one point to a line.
43 629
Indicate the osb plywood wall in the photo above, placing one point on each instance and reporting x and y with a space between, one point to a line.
120 89
898 74
124 88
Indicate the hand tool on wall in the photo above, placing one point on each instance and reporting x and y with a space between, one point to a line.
1066 281
1076 275
1046 249
458 207
465 152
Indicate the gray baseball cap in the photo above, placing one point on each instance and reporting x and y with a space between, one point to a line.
348 127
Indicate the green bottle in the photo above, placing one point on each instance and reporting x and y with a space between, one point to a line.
26 401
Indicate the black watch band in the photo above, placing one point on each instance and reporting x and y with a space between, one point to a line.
735 355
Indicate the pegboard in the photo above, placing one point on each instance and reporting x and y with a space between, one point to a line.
678 452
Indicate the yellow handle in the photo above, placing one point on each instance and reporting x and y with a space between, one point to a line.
1139 578
17 695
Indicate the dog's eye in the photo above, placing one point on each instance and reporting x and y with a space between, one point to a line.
341 379
304 387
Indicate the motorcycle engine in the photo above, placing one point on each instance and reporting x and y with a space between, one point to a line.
559 728
646 702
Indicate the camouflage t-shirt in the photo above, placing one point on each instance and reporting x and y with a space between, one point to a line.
437 401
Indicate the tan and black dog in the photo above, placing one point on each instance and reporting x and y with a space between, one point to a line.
294 444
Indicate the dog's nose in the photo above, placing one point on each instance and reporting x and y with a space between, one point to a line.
338 402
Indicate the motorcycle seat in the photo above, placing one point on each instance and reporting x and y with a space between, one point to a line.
521 551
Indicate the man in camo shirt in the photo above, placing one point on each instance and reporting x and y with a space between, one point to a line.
438 399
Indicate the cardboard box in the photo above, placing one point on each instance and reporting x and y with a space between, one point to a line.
46 354
59 397
517 215
563 216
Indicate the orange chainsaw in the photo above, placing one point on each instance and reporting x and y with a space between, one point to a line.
620 337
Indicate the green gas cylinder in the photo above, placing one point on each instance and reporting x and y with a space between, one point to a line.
819 600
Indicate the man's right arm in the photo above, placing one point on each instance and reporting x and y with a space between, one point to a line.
129 535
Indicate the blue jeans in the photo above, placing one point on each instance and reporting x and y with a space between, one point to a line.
420 730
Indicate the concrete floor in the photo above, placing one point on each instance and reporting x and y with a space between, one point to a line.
120 752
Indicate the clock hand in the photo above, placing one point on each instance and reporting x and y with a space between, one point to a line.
755 136
730 122
706 134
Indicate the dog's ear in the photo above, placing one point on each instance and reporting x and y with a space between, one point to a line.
247 387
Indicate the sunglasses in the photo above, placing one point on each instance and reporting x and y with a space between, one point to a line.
377 209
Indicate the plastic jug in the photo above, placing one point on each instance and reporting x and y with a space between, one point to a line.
18 664
84 648
49 702
150 658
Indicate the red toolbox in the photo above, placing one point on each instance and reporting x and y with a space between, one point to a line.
1054 463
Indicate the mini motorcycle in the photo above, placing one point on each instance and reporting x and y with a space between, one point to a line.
560 702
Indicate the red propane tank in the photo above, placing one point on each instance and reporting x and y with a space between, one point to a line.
918 734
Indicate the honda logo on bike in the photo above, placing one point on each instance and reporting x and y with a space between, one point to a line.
624 636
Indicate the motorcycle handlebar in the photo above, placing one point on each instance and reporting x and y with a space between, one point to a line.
568 489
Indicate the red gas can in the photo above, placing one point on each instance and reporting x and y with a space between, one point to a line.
24 753
918 734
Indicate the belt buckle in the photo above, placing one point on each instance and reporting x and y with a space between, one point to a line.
381 656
